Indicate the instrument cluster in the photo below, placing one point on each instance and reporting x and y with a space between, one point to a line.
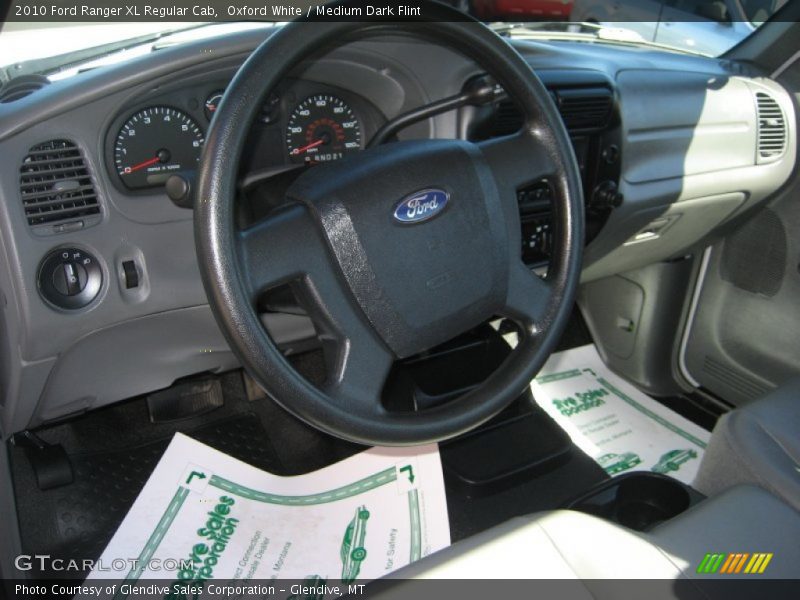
301 122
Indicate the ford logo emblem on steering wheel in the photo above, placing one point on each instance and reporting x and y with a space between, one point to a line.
421 206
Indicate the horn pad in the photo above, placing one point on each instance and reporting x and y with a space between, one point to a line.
419 235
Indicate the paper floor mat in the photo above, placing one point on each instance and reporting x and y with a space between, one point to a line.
204 516
620 427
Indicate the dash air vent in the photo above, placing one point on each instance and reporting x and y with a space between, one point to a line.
771 128
56 188
582 109
507 119
587 108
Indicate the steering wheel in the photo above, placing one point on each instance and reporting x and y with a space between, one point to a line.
395 249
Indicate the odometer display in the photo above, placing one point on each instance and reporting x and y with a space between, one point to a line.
322 128
153 144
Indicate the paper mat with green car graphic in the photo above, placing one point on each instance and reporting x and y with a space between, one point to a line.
620 427
230 522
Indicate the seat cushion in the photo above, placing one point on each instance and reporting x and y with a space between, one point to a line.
559 544
598 560
759 444
745 519
602 557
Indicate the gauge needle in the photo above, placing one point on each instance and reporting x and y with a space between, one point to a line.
142 165
302 149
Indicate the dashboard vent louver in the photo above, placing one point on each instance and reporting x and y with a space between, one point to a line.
587 108
56 187
582 109
771 128
507 119
22 86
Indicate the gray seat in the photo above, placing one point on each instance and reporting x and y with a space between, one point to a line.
570 545
758 443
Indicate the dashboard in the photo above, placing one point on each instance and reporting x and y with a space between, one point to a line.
101 295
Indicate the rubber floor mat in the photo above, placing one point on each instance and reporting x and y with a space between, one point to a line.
79 519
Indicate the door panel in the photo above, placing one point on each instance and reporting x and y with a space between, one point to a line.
745 336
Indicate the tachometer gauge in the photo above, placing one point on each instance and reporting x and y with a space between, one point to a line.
322 128
153 144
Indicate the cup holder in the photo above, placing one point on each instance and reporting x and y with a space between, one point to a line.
639 501
644 501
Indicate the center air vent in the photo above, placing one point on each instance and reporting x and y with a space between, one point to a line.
771 129
582 110
56 188
587 108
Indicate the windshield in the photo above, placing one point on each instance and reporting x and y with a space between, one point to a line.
706 27
27 48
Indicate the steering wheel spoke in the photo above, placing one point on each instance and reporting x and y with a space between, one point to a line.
358 361
360 373
528 299
266 248
518 160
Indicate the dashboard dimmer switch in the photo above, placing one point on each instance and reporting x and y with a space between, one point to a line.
131 274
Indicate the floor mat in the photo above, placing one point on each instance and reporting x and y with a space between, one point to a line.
114 450
78 520
613 422
363 517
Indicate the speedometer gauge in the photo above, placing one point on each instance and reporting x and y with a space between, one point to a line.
153 144
322 128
